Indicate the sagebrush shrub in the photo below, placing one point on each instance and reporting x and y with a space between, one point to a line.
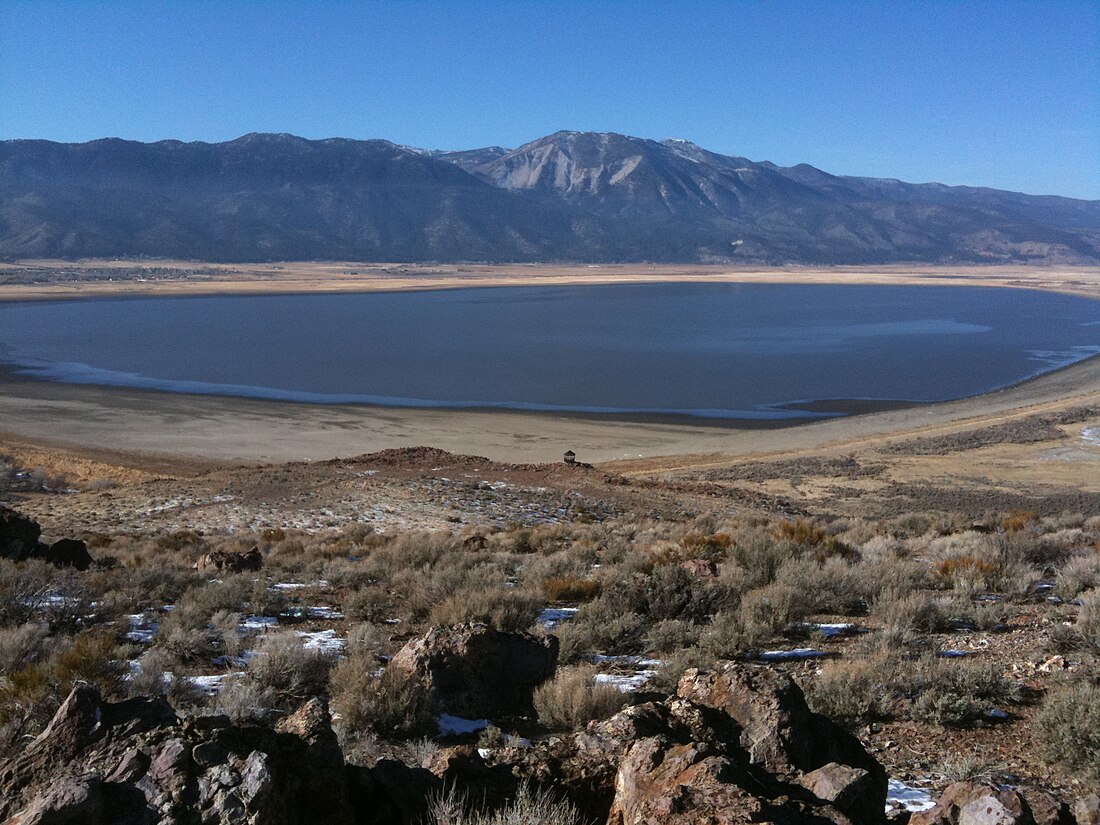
670 635
369 700
21 645
919 612
570 588
503 609
530 807
597 628
768 612
289 671
572 699
850 692
957 693
1088 620
1067 728
1079 574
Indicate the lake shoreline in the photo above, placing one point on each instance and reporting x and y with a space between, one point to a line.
153 428
631 379
150 426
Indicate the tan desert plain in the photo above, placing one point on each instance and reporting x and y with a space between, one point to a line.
69 426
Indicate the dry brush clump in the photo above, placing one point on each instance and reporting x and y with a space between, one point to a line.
1067 728
573 698
528 807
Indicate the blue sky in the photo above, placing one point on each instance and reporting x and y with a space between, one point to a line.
1000 94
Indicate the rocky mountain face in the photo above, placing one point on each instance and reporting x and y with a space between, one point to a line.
571 196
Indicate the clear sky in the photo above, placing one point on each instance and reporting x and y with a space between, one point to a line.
1002 93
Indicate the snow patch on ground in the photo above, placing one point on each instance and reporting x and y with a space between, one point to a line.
902 797
797 653
1091 435
325 641
211 685
551 617
625 683
830 630
323 612
257 624
456 725
141 629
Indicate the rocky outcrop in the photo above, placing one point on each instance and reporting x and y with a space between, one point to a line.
474 671
778 729
1046 808
685 761
73 800
966 803
19 541
18 535
137 762
222 561
1086 810
66 553
732 748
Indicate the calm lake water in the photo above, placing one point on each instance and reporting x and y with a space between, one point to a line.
714 350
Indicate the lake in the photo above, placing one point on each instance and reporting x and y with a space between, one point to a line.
708 350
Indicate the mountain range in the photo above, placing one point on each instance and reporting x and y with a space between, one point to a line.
570 196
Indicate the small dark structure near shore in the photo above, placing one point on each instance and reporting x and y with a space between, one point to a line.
570 457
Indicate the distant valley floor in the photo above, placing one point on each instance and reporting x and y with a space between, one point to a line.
57 280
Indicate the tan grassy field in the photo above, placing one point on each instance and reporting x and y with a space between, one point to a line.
51 279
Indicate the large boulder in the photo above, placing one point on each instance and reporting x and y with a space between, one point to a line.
688 767
136 762
72 800
852 790
65 553
18 535
778 729
222 561
675 762
678 784
476 672
1046 808
1086 810
968 803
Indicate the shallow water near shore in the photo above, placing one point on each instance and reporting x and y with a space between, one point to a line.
707 350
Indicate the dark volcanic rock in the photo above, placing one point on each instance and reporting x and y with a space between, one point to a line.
778 729
66 553
19 540
222 561
476 672
71 800
852 790
18 535
159 768
966 803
